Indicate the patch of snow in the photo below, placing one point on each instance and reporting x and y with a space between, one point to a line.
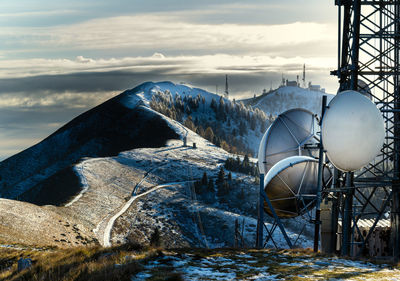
140 276
79 168
199 273
262 277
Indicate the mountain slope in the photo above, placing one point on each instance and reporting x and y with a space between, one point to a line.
103 131
91 177
123 123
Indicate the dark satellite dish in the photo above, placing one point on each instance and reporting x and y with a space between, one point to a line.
287 136
291 186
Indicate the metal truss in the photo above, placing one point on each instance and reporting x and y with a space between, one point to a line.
368 50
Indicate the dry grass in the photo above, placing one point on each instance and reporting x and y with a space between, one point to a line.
123 262
95 263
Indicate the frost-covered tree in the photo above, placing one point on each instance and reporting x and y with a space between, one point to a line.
209 134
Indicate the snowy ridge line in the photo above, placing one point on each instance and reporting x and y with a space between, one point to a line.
85 185
142 94
173 124
261 100
110 224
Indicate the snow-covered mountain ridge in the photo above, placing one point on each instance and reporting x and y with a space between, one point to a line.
87 172
143 93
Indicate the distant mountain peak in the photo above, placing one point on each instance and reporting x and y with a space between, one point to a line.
143 93
288 97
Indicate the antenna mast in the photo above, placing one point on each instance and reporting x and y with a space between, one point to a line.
304 76
369 50
226 86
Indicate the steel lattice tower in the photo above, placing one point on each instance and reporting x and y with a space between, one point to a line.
368 50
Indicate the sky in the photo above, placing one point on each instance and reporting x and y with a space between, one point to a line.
61 58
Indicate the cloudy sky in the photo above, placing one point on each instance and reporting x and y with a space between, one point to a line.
60 58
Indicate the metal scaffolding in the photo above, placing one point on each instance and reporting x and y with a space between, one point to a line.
368 61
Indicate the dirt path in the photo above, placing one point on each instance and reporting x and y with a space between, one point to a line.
107 231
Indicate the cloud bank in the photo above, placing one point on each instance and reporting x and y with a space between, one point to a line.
62 59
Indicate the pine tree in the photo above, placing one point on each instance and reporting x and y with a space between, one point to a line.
263 127
217 141
213 105
246 164
204 179
253 122
224 145
155 239
240 195
221 177
198 187
220 191
188 110
209 134
200 130
237 163
229 163
223 189
189 123
210 186
242 128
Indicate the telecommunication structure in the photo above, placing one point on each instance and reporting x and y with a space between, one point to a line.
226 93
368 50
293 175
360 135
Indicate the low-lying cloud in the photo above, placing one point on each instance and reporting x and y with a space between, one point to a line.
103 75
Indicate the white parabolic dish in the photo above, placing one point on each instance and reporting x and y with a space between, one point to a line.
352 131
286 137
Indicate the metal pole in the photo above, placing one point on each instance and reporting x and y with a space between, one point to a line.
260 234
319 183
395 220
335 210
348 214
395 208
355 44
339 39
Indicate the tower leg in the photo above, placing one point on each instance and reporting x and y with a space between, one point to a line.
395 221
260 224
319 184
347 216
277 220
